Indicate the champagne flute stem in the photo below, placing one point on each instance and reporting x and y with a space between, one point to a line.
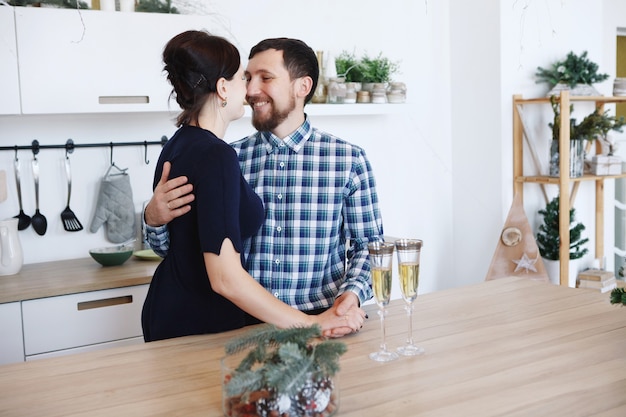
409 314
383 344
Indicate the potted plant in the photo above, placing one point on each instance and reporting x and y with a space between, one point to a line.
271 371
575 73
548 241
378 69
349 67
593 126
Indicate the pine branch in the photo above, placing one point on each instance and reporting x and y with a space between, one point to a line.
618 296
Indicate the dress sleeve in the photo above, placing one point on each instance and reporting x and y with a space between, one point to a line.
218 199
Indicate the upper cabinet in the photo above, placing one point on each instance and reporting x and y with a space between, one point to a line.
90 61
9 81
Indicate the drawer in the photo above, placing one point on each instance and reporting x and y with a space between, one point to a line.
90 348
75 320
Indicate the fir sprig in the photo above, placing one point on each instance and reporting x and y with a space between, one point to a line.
548 239
282 359
618 296
573 70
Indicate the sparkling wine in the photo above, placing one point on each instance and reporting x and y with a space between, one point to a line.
381 283
409 280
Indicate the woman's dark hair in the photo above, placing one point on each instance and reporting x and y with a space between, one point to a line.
194 61
298 57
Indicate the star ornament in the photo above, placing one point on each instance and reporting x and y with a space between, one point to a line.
526 263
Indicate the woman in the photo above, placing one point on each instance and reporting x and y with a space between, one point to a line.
201 286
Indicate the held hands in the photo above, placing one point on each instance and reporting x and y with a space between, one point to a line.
170 199
344 317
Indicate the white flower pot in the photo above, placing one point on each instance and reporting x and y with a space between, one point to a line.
553 270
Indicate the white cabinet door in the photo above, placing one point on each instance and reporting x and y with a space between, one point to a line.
70 321
9 81
11 340
90 61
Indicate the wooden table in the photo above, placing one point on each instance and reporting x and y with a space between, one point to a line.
508 347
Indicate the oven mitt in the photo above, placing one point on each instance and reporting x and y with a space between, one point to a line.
115 208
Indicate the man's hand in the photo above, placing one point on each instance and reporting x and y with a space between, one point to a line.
170 199
345 303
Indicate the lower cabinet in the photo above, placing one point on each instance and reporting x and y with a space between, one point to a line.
80 322
11 340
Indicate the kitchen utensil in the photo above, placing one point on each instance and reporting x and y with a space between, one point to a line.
39 222
23 218
70 221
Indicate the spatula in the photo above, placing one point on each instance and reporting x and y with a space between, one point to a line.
70 221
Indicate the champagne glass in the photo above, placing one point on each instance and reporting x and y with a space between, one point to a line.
381 263
409 270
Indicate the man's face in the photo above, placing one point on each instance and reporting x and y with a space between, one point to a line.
270 91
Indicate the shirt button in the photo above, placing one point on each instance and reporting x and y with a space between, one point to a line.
276 294
277 261
282 165
280 196
278 229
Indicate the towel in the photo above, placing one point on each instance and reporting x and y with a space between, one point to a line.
115 208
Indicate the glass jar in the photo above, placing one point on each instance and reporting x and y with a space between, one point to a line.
396 93
363 97
379 93
336 90
319 396
350 93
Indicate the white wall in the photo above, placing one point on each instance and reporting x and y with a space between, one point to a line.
443 168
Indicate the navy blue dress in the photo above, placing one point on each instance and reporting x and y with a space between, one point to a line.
180 299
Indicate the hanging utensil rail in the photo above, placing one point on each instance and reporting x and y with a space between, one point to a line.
69 146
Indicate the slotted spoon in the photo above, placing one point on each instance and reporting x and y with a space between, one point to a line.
70 221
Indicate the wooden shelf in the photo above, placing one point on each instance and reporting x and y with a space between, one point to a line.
566 193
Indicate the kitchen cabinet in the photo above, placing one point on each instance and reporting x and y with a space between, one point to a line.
567 186
9 81
88 61
83 321
11 340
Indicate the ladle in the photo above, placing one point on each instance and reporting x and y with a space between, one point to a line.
39 222
23 219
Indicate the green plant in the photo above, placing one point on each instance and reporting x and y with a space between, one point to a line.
548 239
618 296
573 70
378 69
282 365
156 6
593 125
349 67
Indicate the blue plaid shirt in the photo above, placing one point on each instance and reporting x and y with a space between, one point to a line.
318 192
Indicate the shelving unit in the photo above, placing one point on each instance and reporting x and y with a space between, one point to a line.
566 196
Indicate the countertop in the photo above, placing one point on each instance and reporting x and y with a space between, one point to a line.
49 279
507 347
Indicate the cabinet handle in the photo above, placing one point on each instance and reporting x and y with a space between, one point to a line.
106 302
123 99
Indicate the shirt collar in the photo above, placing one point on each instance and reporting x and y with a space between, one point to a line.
295 141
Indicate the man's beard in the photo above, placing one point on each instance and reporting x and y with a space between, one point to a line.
275 117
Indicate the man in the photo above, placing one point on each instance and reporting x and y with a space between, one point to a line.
318 191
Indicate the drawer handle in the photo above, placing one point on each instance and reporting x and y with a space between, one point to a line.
106 302
123 100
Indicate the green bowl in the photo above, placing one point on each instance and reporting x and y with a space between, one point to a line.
111 256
